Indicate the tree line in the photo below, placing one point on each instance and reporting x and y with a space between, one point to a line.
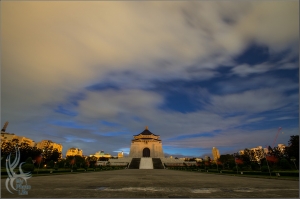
44 158
275 159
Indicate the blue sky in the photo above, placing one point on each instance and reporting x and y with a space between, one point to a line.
200 74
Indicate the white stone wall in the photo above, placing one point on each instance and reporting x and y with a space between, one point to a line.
136 149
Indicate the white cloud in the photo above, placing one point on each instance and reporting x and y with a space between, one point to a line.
238 139
245 69
252 101
51 50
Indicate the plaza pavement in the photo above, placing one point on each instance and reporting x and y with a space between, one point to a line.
159 183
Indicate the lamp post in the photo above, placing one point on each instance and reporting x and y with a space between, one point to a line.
293 160
266 161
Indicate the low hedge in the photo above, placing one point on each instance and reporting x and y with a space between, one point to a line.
281 173
42 171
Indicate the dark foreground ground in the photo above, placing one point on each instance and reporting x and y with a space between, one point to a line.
158 183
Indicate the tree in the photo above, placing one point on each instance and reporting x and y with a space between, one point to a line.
55 155
50 164
92 161
6 149
293 149
284 164
227 160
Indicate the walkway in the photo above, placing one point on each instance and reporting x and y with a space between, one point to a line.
154 183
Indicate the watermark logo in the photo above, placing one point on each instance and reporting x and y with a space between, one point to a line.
17 182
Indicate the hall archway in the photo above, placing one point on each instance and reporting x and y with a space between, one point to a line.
146 152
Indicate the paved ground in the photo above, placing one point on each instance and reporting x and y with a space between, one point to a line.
158 183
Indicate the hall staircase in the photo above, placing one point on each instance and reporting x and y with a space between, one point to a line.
135 163
157 164
146 163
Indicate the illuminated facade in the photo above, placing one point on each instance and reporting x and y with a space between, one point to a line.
120 155
101 154
215 153
146 144
49 144
281 147
73 152
11 137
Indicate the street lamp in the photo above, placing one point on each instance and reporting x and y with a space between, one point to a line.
293 160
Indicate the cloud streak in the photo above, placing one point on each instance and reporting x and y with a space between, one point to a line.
69 69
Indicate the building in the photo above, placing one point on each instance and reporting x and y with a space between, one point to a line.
215 153
11 137
73 152
241 152
120 155
257 153
206 158
101 154
281 147
49 144
146 144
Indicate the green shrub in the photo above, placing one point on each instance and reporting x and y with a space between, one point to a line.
29 161
28 167
265 169
235 168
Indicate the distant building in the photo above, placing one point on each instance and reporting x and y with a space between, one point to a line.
281 147
241 152
215 153
206 158
48 144
73 152
11 137
257 153
101 154
120 155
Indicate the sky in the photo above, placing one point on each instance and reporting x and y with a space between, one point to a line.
200 74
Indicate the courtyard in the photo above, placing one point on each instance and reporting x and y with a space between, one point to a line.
155 183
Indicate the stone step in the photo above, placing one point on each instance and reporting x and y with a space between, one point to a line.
146 163
157 164
135 163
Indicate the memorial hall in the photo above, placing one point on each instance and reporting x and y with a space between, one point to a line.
146 152
146 144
